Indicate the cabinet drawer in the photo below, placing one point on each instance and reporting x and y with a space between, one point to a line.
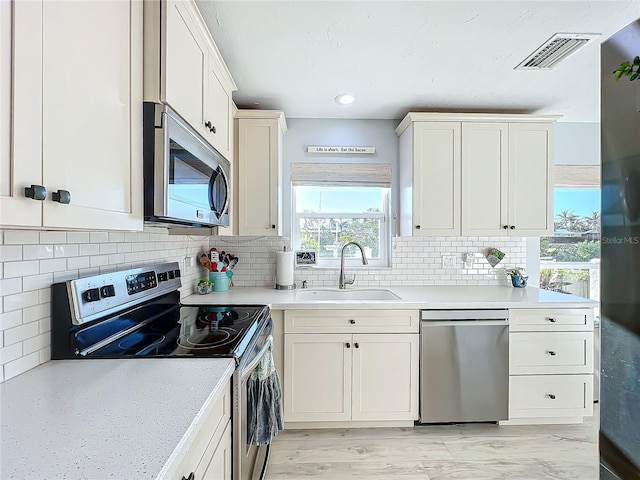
570 319
550 352
351 321
212 425
550 396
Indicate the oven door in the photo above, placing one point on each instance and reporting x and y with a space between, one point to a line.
249 460
191 179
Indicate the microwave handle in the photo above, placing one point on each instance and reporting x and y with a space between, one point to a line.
219 212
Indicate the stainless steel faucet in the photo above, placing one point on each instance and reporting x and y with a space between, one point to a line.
343 282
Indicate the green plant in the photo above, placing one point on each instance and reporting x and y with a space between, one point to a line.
628 69
205 283
514 272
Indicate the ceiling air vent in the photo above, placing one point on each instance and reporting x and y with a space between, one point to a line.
554 50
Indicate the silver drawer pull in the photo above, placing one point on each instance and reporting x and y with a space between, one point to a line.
552 353
551 396
551 319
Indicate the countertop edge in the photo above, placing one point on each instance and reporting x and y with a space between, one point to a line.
173 462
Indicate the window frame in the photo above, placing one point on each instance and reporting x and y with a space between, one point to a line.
385 228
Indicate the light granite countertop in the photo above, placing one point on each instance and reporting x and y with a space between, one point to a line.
99 419
411 297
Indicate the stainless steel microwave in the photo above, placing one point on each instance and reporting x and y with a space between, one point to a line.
186 181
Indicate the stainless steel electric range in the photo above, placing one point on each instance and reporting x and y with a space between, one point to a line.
137 314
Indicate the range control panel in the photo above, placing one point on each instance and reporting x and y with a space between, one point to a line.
102 294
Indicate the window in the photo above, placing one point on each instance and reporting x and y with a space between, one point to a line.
338 203
570 260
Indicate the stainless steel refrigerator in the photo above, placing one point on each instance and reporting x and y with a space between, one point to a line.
620 266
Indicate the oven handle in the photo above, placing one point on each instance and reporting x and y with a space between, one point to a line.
265 349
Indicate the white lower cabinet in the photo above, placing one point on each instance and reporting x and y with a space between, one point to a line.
550 365
548 396
350 376
209 455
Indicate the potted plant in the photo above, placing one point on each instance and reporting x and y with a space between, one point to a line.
204 286
518 280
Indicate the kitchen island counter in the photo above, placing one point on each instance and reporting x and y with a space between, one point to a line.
121 418
411 297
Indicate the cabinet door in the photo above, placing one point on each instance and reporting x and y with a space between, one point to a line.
484 179
216 462
385 377
532 396
436 178
92 120
530 188
218 111
317 377
185 63
20 92
258 177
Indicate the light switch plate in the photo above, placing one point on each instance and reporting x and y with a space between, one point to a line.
448 261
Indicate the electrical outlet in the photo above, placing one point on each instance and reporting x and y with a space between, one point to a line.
468 260
448 261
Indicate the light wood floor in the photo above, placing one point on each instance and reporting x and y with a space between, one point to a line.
456 452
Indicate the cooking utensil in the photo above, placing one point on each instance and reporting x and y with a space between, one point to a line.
205 262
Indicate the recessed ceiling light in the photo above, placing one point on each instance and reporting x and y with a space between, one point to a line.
344 99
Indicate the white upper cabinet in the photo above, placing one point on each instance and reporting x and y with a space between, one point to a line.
430 179
476 174
485 168
259 171
76 126
531 179
184 69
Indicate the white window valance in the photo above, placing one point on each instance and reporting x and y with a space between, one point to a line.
341 174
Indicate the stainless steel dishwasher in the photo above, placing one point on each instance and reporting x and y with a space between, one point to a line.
464 366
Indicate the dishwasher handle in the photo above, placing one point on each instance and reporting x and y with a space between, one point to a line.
460 323
473 315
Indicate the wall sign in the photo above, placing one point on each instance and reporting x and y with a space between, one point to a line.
342 150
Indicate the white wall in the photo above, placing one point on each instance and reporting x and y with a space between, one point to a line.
577 143
304 132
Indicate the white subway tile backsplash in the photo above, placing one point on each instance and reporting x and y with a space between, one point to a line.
36 343
9 253
55 265
21 237
66 251
37 252
116 237
19 301
21 269
53 237
36 312
10 319
10 353
25 281
23 332
78 237
89 249
99 237
75 263
9 286
416 261
108 248
21 365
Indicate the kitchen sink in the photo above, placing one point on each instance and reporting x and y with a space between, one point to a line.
345 295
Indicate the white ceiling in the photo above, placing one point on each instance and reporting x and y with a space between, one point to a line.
400 56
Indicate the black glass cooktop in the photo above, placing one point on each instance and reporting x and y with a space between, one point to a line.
162 330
